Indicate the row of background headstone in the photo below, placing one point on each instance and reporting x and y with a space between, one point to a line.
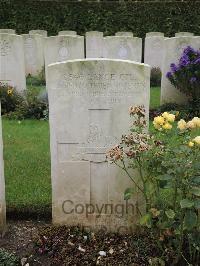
68 46
97 46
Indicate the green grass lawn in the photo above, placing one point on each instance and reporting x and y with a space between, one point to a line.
27 164
155 97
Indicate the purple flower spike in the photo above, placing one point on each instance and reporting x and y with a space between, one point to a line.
189 50
169 75
193 80
184 61
174 68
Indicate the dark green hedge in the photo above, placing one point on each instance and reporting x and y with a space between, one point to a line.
109 17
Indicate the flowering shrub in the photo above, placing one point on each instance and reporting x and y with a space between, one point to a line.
185 75
169 177
9 98
22 106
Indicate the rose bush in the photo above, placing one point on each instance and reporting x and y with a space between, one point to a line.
167 161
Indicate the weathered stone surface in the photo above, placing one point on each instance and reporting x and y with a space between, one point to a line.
2 186
154 49
124 33
94 44
173 48
151 34
41 32
34 53
126 48
89 101
12 67
10 31
67 32
179 34
62 48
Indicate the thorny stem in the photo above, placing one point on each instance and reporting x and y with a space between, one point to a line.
143 181
175 195
124 168
181 241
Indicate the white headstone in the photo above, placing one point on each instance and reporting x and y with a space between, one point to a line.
125 48
94 44
34 53
173 48
154 49
63 48
2 185
67 32
41 32
12 66
10 31
179 34
150 34
89 101
124 33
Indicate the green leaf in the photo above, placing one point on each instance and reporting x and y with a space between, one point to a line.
164 177
196 180
150 188
128 193
190 220
196 165
170 213
146 220
186 203
196 191
197 203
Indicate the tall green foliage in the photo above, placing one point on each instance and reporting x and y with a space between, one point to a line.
109 17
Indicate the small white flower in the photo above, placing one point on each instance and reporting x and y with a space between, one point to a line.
102 253
81 249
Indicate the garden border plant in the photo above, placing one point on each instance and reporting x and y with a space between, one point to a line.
165 168
29 104
185 77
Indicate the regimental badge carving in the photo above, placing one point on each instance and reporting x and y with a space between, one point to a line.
97 138
95 133
157 44
63 52
30 51
123 50
123 53
4 47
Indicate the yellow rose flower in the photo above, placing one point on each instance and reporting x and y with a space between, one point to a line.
165 115
191 125
182 124
169 117
197 140
196 121
159 120
191 144
167 126
9 92
157 126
